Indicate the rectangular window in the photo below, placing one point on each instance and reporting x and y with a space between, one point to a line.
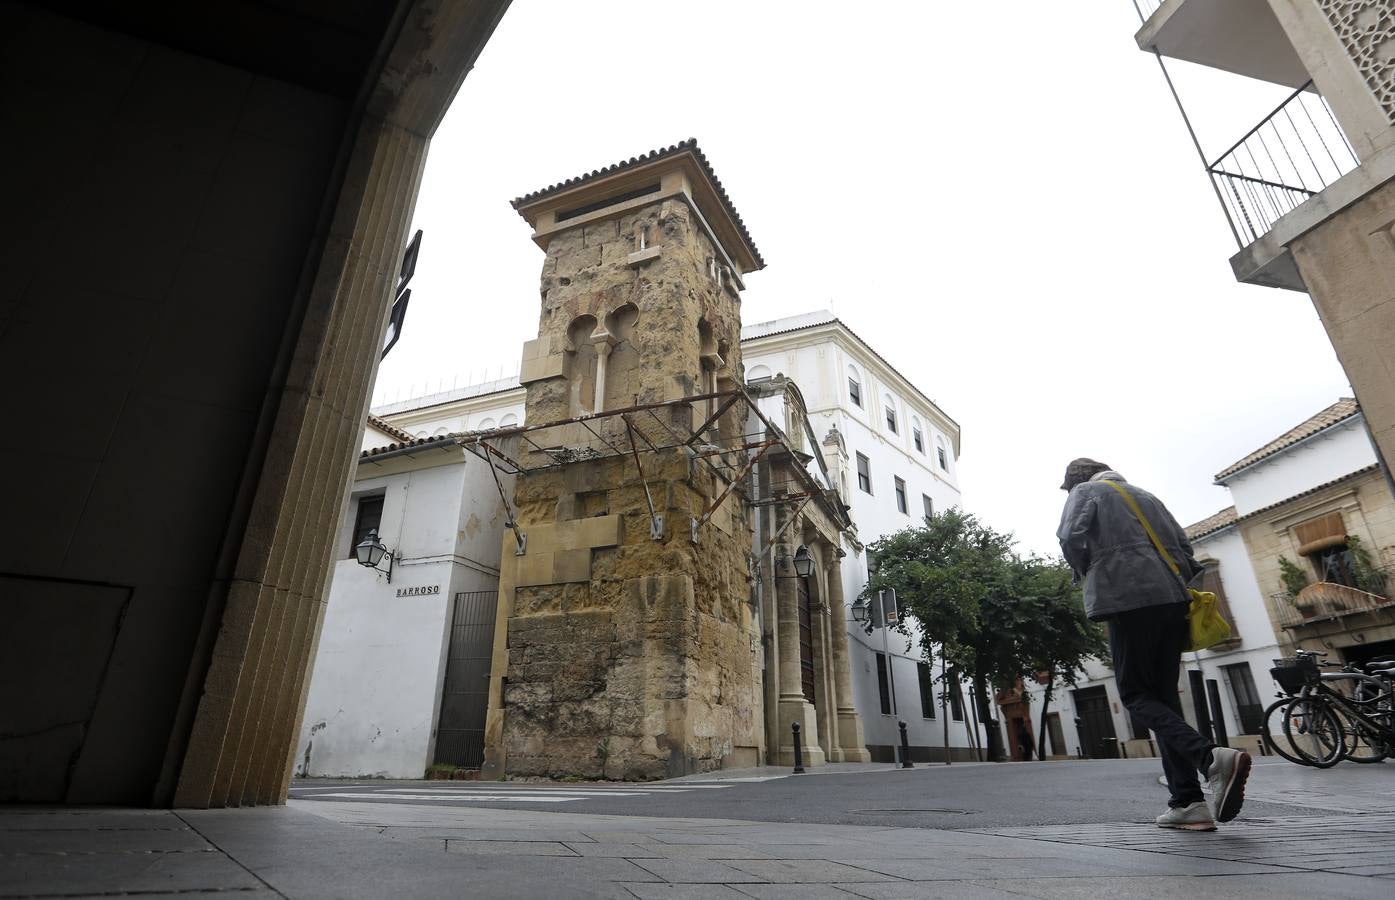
929 505
1249 710
956 701
944 462
864 473
919 440
883 684
900 495
368 518
854 392
891 419
927 692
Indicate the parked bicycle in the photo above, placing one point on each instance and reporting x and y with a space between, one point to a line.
1322 718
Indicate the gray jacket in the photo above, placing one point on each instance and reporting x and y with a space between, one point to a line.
1107 547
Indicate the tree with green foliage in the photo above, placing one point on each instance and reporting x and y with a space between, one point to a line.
993 615
1057 637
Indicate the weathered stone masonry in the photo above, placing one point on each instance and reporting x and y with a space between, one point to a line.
624 649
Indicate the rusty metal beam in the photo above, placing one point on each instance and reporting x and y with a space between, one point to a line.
745 470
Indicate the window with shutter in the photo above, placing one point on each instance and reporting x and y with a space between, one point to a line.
1211 581
1321 533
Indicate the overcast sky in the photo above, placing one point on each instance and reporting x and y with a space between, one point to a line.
1000 198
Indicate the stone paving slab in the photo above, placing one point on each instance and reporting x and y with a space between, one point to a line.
684 892
66 874
515 848
696 871
1289 886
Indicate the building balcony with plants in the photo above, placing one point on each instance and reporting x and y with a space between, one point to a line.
1351 584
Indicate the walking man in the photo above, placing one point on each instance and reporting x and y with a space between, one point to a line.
1130 586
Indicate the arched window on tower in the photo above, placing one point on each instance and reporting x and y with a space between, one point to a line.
622 365
581 373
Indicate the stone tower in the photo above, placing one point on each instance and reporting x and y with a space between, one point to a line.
626 645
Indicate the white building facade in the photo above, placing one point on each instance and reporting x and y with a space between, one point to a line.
893 454
387 697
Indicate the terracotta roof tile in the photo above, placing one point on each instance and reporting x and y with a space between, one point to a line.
690 145
388 428
1338 412
1211 524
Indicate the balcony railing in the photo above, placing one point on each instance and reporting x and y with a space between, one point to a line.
1296 151
1326 600
1146 8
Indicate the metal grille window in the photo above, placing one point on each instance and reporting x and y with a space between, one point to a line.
900 495
883 684
854 392
1249 710
368 518
864 473
927 692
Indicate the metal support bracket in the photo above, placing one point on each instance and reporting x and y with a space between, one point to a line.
520 539
656 521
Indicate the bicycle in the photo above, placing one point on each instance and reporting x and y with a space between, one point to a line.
1315 724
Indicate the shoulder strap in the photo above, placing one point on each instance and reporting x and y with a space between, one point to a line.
1143 520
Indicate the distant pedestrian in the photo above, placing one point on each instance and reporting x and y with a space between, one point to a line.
1130 586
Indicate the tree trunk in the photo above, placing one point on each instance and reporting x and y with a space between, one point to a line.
1045 705
995 737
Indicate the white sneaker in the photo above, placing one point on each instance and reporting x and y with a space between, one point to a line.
1196 817
1226 782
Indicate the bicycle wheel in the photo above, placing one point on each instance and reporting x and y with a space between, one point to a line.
1363 744
1271 730
1314 732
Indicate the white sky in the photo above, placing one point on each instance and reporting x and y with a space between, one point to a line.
1001 198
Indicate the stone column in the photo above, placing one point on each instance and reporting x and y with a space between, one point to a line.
792 705
604 344
850 737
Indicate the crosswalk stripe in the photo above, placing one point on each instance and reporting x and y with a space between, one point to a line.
491 798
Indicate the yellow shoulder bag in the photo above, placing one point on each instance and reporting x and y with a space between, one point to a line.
1208 628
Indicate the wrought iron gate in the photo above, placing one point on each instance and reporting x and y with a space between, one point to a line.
465 695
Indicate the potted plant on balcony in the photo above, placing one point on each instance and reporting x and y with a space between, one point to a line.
1367 575
1294 581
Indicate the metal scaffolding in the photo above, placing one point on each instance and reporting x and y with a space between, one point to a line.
729 453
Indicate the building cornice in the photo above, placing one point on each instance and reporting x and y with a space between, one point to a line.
813 333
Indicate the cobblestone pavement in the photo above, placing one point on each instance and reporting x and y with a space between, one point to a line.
1036 830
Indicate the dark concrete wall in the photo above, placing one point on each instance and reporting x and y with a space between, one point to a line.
158 212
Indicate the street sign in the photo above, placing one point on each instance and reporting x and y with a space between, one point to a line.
402 295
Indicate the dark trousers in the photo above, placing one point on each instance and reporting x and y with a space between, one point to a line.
1147 647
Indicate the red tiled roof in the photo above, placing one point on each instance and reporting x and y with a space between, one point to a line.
1211 524
1338 412
690 145
388 428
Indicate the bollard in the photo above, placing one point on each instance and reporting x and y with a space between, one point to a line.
798 750
905 748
